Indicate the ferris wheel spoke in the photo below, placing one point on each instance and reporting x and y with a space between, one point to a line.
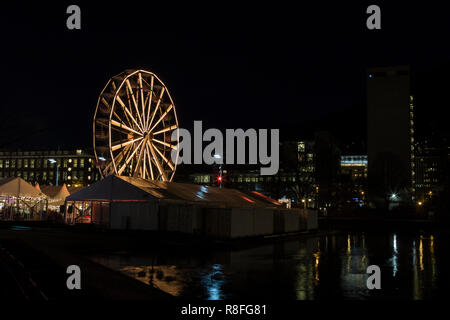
122 154
139 159
134 103
147 124
162 117
141 89
124 126
158 164
165 144
130 157
156 107
149 161
120 130
124 144
105 170
128 112
144 166
164 158
127 122
106 103
173 127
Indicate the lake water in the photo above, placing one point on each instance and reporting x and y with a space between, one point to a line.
413 266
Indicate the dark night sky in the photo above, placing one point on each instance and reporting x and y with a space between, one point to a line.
274 66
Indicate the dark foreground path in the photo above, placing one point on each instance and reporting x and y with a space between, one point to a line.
40 256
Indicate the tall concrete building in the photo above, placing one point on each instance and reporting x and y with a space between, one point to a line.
390 130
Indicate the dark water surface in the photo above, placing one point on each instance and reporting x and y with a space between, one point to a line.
413 266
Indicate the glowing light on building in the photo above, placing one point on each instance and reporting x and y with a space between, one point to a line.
357 160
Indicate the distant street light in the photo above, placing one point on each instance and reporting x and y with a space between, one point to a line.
57 168
101 159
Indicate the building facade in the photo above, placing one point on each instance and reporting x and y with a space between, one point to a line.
431 172
75 168
302 165
354 178
390 134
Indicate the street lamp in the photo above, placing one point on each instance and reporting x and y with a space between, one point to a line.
57 168
218 156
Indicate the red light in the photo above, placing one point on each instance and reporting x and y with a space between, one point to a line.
219 178
249 200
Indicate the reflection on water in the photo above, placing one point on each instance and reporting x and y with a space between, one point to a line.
319 267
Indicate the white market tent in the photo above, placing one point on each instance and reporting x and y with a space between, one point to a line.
19 199
119 202
130 195
56 195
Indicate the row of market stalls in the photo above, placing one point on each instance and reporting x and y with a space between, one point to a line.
119 202
19 200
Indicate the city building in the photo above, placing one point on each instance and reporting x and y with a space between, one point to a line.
354 178
297 180
74 168
431 172
327 169
390 130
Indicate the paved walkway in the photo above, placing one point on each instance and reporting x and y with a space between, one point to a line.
46 254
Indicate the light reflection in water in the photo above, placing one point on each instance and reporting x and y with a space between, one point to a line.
421 253
394 256
309 268
213 282
353 275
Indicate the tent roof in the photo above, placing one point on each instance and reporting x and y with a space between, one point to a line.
17 187
120 188
37 187
56 194
110 188
73 189
55 191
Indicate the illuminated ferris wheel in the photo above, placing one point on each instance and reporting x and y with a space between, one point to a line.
133 124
